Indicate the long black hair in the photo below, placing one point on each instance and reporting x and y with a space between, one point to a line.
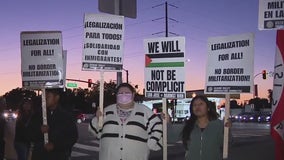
190 123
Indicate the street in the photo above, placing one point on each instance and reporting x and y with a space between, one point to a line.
10 152
250 141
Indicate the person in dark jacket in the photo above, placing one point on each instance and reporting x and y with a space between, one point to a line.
61 129
22 140
2 127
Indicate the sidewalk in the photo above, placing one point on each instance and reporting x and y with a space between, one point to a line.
260 148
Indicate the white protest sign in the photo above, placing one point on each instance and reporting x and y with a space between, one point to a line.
103 42
230 64
42 62
271 14
164 67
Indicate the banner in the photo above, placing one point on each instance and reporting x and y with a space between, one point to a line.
277 120
42 62
103 42
230 64
164 67
271 14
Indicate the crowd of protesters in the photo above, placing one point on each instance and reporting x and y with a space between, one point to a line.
129 129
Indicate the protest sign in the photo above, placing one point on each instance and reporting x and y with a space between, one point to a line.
271 14
164 67
103 42
42 61
230 64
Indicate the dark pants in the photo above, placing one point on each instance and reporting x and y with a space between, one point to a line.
2 149
39 153
22 150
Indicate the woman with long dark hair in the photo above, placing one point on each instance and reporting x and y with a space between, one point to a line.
202 134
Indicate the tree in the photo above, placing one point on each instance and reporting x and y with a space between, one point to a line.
259 103
256 103
15 97
78 98
234 104
264 103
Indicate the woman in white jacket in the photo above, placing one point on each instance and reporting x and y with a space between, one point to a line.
130 130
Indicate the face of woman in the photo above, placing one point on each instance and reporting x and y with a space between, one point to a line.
124 97
200 108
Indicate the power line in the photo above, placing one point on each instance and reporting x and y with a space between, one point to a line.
166 19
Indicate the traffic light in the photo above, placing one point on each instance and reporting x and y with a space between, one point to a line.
90 83
263 74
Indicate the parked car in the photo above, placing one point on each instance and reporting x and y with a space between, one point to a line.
79 116
237 118
10 115
234 118
246 117
264 117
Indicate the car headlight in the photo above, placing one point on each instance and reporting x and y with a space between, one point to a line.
236 117
258 118
5 115
267 117
15 115
251 118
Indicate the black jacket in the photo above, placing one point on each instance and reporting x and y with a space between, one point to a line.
22 132
62 133
2 127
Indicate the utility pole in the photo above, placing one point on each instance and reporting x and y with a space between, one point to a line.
127 8
117 10
166 19
127 75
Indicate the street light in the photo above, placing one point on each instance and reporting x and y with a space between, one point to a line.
126 74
